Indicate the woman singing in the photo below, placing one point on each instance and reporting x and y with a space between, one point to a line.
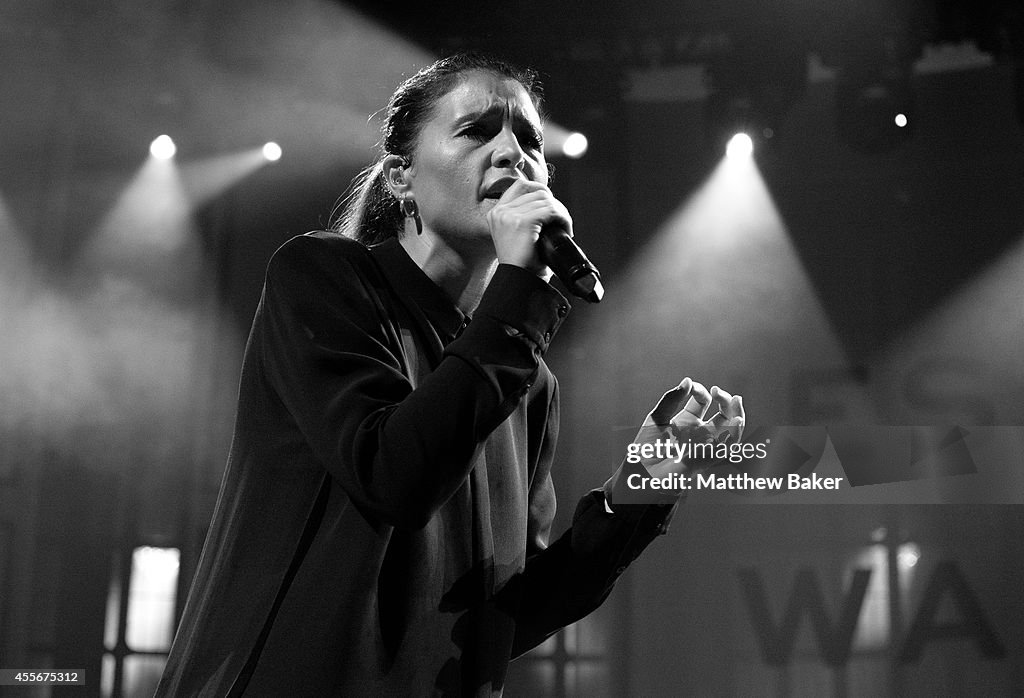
383 523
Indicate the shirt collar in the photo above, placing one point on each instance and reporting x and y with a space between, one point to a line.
412 284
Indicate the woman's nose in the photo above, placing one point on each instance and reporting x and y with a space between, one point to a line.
507 151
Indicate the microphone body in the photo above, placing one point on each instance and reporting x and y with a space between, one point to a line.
570 265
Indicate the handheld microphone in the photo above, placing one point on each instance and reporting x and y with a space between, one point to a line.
569 263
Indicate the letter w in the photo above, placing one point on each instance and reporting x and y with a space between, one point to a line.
777 642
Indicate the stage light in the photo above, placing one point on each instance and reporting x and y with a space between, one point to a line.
740 146
575 146
901 120
737 124
163 148
272 151
908 555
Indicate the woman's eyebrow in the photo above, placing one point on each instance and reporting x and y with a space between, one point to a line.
535 129
477 114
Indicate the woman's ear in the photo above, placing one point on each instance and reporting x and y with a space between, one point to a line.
396 171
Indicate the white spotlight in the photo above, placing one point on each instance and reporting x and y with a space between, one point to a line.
901 120
740 146
575 145
163 148
272 151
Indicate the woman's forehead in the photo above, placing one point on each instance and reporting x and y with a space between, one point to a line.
481 92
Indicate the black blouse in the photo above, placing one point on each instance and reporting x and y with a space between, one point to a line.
382 526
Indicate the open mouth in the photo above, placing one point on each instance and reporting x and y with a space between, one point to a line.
499 187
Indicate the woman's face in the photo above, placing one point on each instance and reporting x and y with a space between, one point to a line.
482 135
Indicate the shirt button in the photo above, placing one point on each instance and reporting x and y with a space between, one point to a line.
562 310
547 336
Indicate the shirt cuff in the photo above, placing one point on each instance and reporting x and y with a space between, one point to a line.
617 490
525 303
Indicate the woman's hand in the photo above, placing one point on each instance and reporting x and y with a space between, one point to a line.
516 220
679 418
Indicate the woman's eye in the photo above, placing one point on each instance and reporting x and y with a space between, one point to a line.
477 132
483 133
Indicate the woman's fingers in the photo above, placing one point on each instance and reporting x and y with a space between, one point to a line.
729 417
670 403
700 400
516 220
684 408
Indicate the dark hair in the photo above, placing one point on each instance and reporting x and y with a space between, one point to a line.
369 213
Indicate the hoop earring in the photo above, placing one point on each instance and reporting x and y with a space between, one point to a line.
410 210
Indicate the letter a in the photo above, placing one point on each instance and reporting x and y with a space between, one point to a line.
972 621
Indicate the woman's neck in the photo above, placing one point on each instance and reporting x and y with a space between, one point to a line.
462 275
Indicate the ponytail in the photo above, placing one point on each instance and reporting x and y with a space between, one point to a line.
369 213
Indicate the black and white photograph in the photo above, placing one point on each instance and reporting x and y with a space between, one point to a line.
535 349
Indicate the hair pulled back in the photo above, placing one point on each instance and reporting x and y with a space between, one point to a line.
369 212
